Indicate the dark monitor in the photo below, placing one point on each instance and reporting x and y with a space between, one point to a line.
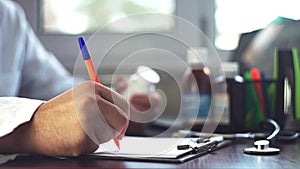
256 49
244 42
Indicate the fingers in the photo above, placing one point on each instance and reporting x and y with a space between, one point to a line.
114 108
113 97
146 107
120 84
103 113
140 101
121 135
115 116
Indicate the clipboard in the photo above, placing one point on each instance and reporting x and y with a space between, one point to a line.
157 149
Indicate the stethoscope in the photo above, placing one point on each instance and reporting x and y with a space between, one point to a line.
262 143
262 147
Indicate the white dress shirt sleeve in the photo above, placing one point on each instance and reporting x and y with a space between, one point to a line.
15 111
27 70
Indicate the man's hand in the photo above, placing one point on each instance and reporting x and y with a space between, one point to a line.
144 108
73 123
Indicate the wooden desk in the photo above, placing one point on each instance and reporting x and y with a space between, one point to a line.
231 156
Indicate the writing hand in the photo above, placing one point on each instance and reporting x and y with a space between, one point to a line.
73 123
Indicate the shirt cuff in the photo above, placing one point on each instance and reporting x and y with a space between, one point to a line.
15 111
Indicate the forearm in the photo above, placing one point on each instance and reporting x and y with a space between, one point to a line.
60 134
53 130
73 123
56 131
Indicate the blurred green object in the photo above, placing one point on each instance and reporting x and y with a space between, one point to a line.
281 19
297 82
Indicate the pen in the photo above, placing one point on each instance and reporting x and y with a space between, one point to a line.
91 69
255 75
254 112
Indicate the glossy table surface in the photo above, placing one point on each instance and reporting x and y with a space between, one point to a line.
231 156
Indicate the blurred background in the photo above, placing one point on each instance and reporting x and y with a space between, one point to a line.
245 32
59 23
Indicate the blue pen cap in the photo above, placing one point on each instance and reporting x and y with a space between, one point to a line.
83 48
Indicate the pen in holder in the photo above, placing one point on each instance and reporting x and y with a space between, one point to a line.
246 107
281 95
262 105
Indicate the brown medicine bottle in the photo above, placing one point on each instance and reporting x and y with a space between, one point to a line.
196 86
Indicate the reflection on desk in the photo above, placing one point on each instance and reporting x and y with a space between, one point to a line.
231 156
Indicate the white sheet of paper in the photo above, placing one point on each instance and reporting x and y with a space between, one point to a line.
145 147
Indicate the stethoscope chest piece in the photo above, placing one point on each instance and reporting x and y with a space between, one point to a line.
261 147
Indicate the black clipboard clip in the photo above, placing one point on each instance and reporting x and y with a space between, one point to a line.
206 146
